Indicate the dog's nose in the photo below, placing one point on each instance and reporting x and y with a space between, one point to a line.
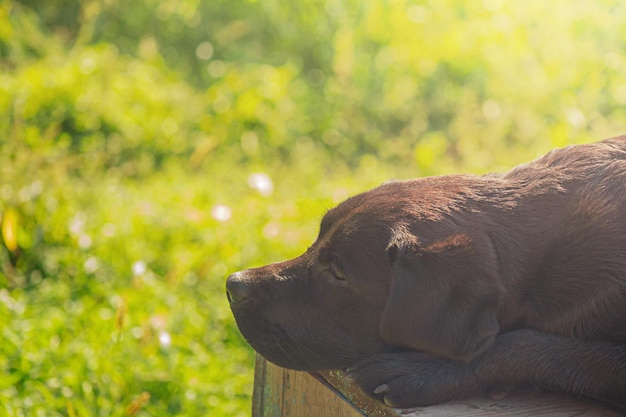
237 288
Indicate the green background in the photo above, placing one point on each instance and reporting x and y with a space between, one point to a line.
131 133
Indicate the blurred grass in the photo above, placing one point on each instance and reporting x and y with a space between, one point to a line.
149 148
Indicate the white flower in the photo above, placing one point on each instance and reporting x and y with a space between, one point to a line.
262 183
221 213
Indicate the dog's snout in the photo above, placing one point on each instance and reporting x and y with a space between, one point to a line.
237 288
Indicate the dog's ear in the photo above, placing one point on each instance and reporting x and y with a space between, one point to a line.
444 295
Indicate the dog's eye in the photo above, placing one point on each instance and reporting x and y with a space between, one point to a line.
336 271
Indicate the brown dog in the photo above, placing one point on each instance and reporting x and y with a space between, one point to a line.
439 288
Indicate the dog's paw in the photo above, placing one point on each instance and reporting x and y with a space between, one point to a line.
403 380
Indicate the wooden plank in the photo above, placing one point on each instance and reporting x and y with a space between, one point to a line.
536 405
280 392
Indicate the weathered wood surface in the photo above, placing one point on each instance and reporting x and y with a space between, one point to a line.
546 405
280 392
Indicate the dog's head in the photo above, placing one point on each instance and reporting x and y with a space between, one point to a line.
398 267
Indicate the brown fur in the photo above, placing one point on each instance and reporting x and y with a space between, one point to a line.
438 288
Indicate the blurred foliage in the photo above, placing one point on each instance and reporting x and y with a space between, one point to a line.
148 148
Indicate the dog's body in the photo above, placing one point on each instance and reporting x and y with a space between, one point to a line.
439 288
